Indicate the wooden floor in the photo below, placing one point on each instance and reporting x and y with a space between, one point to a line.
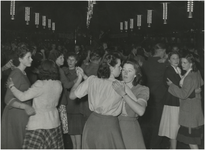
68 143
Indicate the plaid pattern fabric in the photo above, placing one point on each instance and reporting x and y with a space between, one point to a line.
44 139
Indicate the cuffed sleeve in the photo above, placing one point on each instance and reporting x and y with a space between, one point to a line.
185 91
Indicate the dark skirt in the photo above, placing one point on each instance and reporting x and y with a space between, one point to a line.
102 132
190 135
131 133
44 139
75 124
13 128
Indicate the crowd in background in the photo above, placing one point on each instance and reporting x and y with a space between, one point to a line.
74 114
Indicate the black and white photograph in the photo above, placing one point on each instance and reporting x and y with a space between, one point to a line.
97 74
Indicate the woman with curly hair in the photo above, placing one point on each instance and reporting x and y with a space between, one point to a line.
16 113
191 117
44 128
102 128
132 108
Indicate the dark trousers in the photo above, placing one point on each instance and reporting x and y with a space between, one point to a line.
156 140
149 123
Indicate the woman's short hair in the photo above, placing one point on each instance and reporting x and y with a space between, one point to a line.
48 70
159 46
72 54
138 72
173 53
21 50
104 69
191 59
95 55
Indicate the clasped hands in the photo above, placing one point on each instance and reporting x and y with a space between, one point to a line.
80 73
119 87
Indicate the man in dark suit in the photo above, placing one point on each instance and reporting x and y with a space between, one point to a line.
154 69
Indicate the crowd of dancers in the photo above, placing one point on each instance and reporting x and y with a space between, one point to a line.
103 97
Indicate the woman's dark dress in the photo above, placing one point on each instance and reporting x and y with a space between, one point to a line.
14 120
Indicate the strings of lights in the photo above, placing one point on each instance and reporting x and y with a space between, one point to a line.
90 11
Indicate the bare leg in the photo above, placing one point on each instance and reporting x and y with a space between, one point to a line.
73 141
193 146
78 141
173 144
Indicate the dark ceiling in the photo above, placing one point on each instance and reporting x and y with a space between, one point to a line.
69 15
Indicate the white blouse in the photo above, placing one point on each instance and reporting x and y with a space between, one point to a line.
45 94
102 98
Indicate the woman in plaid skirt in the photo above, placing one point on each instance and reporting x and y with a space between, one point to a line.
43 129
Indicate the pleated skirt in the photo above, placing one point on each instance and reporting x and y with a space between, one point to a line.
75 124
169 124
131 133
102 132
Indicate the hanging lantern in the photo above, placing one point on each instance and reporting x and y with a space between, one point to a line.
27 15
37 19
53 26
149 17
139 21
190 8
49 23
131 24
165 12
12 10
121 26
126 26
44 21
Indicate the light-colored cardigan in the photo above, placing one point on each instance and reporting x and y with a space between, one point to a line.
45 94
